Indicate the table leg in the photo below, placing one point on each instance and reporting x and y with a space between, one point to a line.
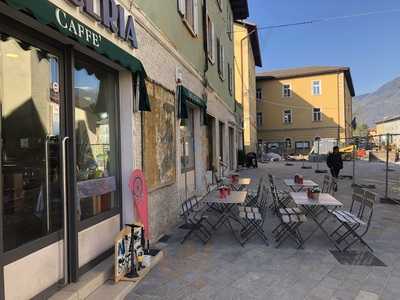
311 214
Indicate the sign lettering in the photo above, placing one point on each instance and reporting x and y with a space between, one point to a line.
79 30
112 16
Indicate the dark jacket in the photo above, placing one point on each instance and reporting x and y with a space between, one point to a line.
334 161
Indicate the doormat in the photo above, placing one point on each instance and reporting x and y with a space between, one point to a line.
164 238
357 258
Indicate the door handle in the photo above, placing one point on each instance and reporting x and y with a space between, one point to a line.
64 172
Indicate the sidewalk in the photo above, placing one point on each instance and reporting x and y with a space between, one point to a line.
222 269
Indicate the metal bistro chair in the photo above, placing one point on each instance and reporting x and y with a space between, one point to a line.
356 222
289 228
193 214
280 198
326 184
253 218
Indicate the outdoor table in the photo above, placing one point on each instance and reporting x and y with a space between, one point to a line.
297 187
227 204
312 208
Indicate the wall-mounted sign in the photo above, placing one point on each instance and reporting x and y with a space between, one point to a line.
111 15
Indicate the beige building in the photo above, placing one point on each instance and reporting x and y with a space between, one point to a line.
295 106
391 126
247 57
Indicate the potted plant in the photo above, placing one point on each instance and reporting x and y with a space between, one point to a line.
314 193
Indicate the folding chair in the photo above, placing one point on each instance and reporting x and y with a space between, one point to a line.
356 227
211 186
289 228
253 218
193 214
279 198
281 201
326 184
343 216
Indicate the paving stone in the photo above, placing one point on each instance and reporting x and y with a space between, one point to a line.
363 295
222 269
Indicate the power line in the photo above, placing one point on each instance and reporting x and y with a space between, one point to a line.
329 19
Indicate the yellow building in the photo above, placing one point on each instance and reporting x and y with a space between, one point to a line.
295 106
247 57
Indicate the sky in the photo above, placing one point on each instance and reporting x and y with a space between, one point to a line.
369 45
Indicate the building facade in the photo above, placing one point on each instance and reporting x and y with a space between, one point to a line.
389 126
296 106
247 58
91 90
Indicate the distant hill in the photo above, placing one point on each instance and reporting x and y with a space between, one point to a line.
384 102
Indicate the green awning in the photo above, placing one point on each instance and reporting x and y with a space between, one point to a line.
184 96
47 13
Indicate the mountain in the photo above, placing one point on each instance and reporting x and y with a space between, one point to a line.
375 106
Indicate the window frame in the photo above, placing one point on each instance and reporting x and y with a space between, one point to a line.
314 113
220 5
183 9
290 143
230 79
210 38
319 87
221 59
259 94
229 21
290 90
284 117
259 119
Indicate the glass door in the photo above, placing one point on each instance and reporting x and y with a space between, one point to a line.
32 206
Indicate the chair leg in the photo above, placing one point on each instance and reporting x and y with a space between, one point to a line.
187 236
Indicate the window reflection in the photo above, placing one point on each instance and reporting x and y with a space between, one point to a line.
95 139
30 125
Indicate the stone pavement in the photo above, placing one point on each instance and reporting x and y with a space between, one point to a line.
223 269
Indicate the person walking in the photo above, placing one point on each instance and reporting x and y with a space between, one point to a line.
335 162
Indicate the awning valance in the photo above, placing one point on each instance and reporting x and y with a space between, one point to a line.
184 96
49 14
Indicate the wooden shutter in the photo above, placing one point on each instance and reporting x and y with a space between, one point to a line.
182 7
212 40
196 16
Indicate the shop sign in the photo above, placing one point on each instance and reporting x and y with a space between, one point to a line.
112 16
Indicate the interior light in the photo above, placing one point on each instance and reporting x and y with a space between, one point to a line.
12 55
104 116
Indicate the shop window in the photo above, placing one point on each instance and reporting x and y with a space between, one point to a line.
187 134
302 145
95 131
288 143
30 127
221 140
